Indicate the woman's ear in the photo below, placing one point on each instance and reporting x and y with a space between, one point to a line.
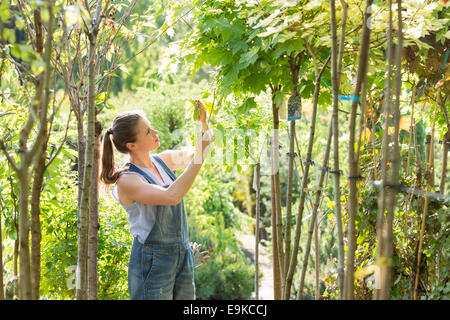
130 146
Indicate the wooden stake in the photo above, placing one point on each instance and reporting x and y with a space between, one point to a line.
425 207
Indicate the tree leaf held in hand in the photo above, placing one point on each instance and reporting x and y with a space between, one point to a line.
196 114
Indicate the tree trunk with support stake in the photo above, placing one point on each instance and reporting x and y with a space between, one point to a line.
425 206
2 290
385 145
385 240
315 209
86 197
336 69
445 148
93 221
257 186
352 158
36 234
446 145
295 104
276 204
289 196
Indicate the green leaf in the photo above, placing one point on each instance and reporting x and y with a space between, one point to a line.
72 154
15 51
237 46
196 114
248 104
279 96
101 97
38 66
289 46
249 57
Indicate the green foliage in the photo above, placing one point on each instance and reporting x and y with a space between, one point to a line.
228 274
251 44
213 220
59 244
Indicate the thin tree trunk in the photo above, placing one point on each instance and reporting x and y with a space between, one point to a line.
83 223
425 207
16 245
430 160
81 156
37 184
23 175
289 197
293 258
36 235
315 209
276 265
24 247
385 148
336 65
336 169
258 208
317 261
385 260
281 253
374 151
294 64
2 290
276 205
352 159
15 267
410 196
446 142
94 222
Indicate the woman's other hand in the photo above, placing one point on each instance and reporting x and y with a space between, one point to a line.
202 118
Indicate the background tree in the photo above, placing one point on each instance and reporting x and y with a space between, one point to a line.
28 155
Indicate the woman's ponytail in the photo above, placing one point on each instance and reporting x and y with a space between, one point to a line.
107 175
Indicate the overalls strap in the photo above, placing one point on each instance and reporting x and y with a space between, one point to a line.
166 168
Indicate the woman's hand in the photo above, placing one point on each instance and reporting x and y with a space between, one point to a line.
202 118
202 146
200 257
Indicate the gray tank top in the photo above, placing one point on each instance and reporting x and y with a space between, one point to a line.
141 216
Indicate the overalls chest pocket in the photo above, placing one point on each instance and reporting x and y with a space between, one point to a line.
167 222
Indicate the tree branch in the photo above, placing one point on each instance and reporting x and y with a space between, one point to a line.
11 161
62 142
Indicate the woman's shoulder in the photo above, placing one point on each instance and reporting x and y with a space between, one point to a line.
125 185
128 177
122 188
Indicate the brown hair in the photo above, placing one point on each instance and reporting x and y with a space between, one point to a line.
123 131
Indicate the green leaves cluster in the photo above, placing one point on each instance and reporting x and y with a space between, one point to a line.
250 42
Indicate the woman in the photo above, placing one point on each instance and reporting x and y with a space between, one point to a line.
161 262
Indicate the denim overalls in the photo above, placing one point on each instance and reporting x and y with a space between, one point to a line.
163 267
